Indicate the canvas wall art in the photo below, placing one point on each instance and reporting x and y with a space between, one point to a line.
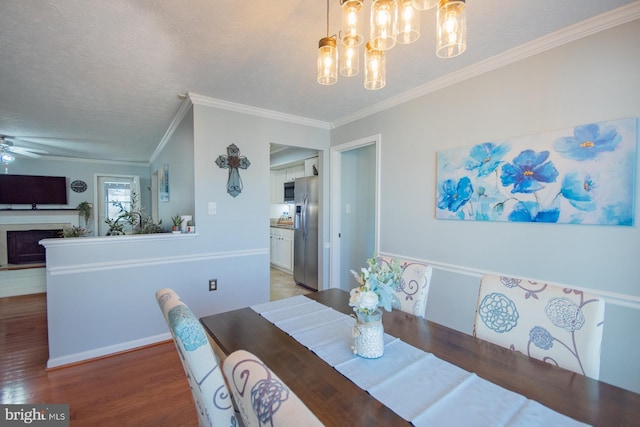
163 186
581 175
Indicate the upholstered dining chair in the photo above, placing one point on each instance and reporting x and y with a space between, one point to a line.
262 398
210 393
557 325
413 292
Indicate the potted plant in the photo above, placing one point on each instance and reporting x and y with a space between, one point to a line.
134 218
73 231
177 221
84 210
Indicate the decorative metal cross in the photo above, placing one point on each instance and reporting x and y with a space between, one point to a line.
233 161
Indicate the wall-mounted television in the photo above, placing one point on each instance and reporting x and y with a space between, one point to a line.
33 190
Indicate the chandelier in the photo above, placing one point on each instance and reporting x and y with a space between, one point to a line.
391 22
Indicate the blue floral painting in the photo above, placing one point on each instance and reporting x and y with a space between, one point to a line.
584 175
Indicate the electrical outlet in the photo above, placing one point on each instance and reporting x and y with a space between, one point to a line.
213 284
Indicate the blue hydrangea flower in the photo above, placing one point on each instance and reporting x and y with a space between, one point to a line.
541 338
498 312
588 141
530 212
528 170
564 314
577 189
486 157
454 195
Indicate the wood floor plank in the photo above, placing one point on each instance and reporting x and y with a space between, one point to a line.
146 387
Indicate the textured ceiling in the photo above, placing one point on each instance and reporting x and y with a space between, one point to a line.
100 79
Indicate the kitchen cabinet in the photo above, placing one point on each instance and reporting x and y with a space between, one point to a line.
276 191
282 249
293 172
278 177
309 164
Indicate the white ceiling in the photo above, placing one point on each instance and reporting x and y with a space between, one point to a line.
100 79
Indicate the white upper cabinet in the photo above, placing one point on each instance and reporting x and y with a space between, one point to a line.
309 164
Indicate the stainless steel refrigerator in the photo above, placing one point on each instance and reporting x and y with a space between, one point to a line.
305 241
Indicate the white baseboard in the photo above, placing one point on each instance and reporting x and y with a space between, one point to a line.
86 356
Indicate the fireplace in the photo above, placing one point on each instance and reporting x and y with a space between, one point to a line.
23 247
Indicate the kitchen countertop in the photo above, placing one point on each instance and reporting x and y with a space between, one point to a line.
278 225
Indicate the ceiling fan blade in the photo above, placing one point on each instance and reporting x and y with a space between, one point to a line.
33 150
69 143
25 152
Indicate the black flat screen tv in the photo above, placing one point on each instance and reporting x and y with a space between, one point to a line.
33 190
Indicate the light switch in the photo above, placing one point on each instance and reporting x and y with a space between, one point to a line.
347 208
212 208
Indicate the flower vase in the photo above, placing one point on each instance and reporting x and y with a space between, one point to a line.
368 335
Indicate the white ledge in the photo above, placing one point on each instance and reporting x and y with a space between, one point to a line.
105 240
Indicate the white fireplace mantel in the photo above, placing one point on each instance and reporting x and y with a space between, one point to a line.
39 216
15 220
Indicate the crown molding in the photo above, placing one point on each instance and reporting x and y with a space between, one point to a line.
255 111
182 111
574 32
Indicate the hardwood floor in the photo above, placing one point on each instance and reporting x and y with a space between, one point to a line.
145 387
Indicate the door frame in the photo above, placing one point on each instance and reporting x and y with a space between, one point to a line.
336 211
98 203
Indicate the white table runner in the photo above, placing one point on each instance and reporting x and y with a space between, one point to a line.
416 385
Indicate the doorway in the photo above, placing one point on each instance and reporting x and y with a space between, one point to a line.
288 163
113 189
355 212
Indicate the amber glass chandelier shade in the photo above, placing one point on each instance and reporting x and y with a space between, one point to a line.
375 76
349 61
408 23
327 61
351 23
451 28
424 4
383 24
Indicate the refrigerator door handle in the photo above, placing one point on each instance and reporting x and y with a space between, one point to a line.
305 222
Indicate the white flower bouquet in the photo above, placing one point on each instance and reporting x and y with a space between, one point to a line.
377 283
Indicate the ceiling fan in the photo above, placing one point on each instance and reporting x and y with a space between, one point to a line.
6 146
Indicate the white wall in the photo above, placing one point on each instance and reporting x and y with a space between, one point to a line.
243 222
84 170
178 155
593 79
357 225
100 291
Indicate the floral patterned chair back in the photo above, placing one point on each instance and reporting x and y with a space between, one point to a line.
413 291
557 325
262 398
210 393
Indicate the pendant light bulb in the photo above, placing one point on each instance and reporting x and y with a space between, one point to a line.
383 24
350 60
408 23
351 18
327 61
451 32
375 75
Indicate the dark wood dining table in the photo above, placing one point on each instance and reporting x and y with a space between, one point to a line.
337 401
